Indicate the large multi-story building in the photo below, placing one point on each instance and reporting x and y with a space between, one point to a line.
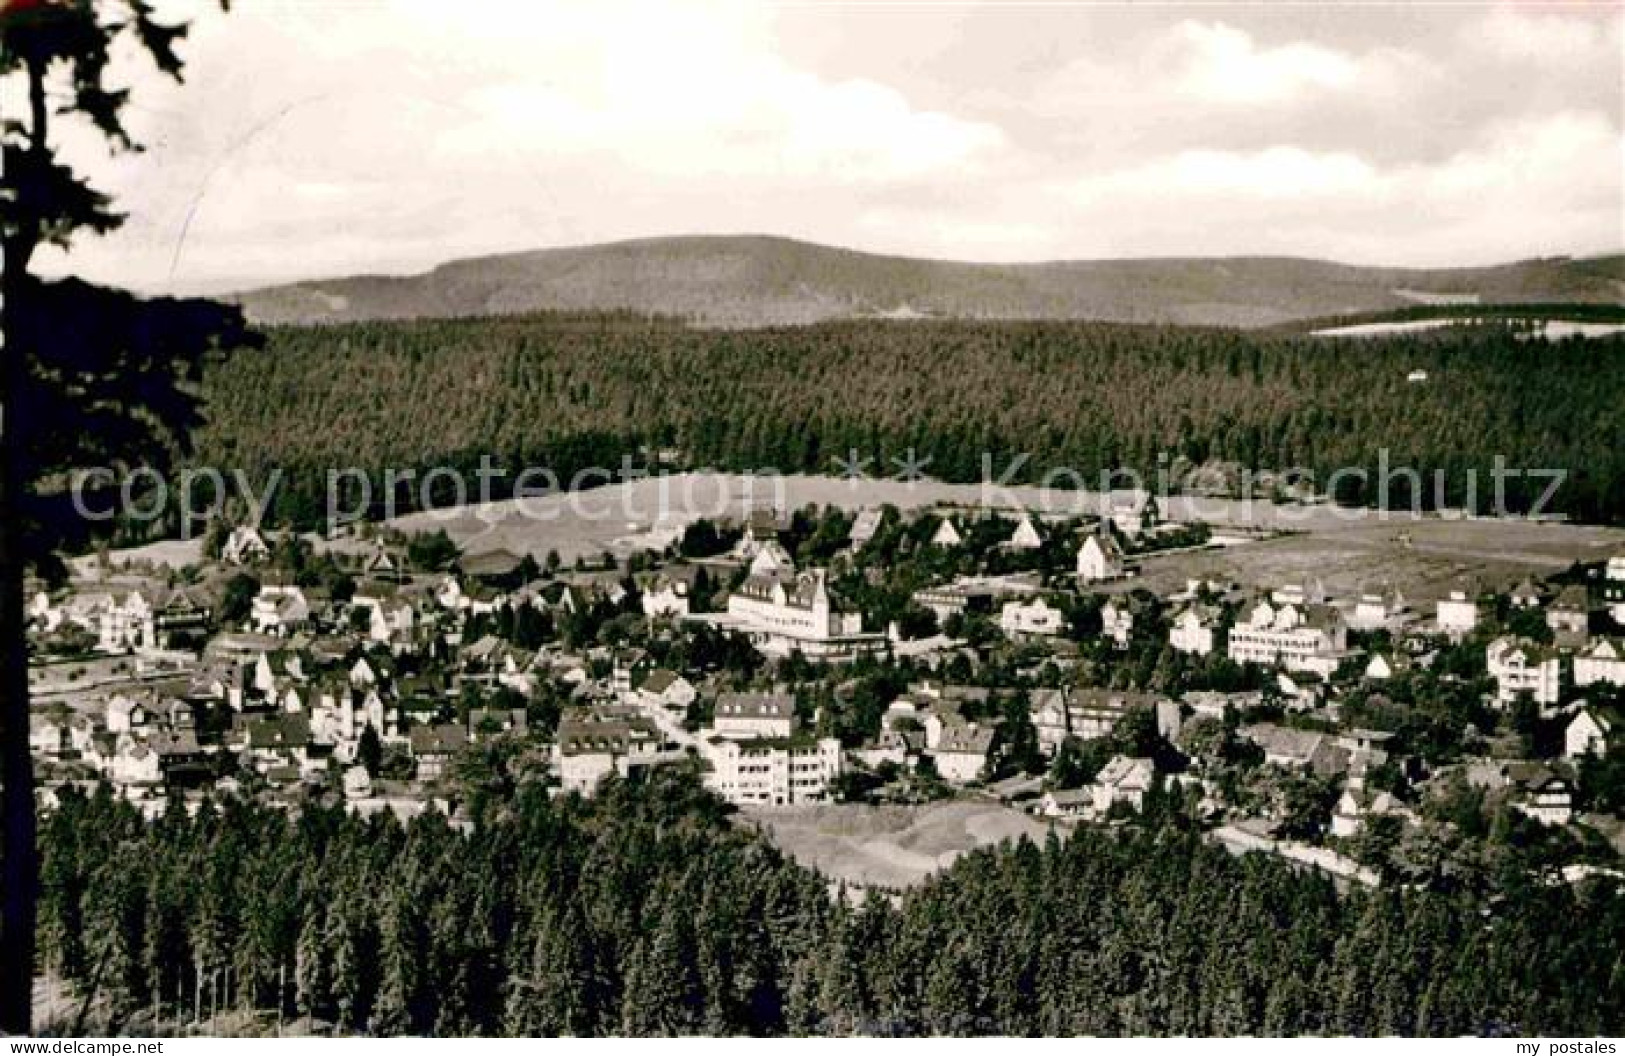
1310 638
1613 587
1522 666
773 771
784 611
750 716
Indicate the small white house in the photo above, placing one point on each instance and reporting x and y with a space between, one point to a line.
1035 617
1025 537
1601 661
947 535
668 600
1195 630
1124 779
1457 614
1117 623
1588 732
1099 559
245 546
279 609
1384 666
1375 610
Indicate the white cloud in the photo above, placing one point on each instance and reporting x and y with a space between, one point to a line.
1562 34
1223 64
1278 172
388 136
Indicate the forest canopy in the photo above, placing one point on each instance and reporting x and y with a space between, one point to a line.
570 391
646 912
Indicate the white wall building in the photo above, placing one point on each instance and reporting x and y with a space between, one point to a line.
668 600
1117 622
1026 536
1603 660
1313 638
588 750
1031 617
784 611
960 749
1521 666
1457 614
1099 559
1196 630
1123 780
773 771
1613 587
127 624
751 716
1375 611
1588 732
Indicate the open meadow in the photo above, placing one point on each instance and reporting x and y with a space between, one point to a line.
890 847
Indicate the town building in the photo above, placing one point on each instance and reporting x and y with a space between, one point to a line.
1520 666
753 716
1589 731
1035 617
1569 614
1123 780
1613 587
1457 613
587 750
783 611
1603 660
947 535
1312 638
773 771
1025 536
245 546
1099 559
959 750
1197 630
1117 622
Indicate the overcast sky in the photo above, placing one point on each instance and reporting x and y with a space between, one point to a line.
326 137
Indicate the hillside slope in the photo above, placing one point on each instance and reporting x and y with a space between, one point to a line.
571 392
758 281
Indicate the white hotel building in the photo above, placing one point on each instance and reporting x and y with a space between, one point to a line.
1310 638
758 758
782 611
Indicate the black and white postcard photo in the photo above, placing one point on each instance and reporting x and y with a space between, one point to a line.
842 520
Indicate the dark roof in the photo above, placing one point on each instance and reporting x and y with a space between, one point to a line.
660 680
436 740
755 706
969 739
289 731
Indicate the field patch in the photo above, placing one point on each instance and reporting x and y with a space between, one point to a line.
889 847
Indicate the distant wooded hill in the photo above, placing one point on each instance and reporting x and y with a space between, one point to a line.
764 281
570 391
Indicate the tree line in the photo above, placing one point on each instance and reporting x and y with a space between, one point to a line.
571 391
646 911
